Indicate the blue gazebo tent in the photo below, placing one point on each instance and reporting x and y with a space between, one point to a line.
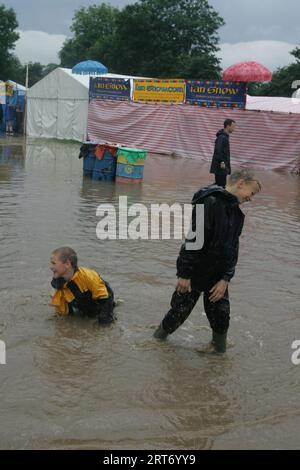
89 67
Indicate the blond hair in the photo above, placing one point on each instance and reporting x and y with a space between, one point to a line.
246 174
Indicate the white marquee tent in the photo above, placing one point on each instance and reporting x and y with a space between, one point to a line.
274 103
57 105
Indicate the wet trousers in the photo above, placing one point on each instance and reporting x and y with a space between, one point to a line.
218 314
220 180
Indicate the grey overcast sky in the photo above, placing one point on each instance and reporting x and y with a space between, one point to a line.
263 30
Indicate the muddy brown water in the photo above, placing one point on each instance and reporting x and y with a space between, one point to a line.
69 384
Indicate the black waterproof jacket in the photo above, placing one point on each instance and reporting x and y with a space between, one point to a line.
223 224
221 154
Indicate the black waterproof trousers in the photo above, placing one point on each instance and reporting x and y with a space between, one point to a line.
220 180
218 314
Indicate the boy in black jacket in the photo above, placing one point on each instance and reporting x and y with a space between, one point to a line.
210 269
220 164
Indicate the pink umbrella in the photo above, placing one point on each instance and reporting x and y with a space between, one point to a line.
247 72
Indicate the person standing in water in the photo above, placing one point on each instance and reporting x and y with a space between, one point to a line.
209 269
220 165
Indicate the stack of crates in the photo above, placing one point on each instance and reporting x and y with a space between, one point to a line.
99 161
130 165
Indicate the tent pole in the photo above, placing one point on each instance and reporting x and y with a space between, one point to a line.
25 106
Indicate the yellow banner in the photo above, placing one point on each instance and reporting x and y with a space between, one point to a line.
9 90
2 88
159 91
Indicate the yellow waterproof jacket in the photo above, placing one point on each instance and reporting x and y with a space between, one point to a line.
87 280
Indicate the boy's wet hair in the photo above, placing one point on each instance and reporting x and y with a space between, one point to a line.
245 174
65 253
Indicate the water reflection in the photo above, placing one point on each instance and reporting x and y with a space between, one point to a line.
70 384
11 160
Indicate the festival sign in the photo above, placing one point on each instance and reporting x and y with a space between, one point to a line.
6 89
109 88
159 91
213 93
6 92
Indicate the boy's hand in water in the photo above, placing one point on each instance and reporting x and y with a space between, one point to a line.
183 286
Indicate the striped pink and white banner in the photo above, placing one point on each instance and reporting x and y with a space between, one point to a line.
262 140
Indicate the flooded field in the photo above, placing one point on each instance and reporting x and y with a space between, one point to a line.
70 384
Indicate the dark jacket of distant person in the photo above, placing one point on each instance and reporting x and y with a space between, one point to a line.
221 154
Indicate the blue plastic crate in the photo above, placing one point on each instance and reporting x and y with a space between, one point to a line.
130 171
105 169
88 164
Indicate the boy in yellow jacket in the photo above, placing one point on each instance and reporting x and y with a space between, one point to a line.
79 291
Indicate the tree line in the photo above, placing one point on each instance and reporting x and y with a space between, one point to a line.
150 38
